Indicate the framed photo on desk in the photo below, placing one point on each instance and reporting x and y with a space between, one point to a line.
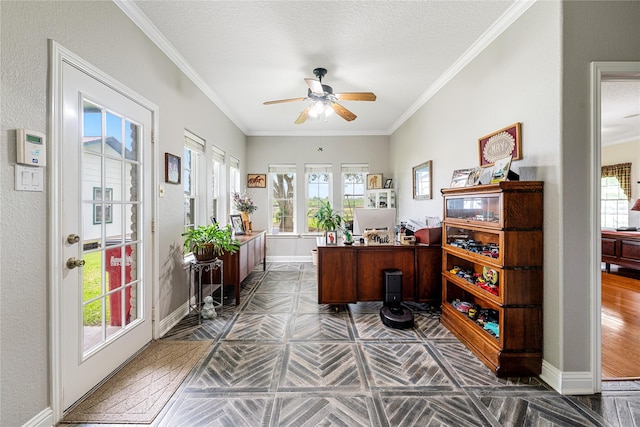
237 225
332 238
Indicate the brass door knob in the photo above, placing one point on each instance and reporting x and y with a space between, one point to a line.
74 262
73 238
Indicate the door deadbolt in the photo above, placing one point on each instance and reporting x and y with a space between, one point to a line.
73 238
74 262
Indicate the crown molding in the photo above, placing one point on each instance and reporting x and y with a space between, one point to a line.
501 24
142 21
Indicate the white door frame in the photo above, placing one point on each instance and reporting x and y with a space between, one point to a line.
58 55
599 72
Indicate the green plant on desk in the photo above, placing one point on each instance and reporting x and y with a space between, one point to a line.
326 218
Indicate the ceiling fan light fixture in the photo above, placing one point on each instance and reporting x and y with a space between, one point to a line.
328 110
324 102
316 109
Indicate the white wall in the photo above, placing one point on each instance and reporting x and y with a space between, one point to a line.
537 73
262 151
592 31
623 153
516 79
101 34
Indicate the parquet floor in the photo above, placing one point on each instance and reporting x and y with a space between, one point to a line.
620 324
281 359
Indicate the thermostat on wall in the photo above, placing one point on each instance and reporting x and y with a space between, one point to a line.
31 147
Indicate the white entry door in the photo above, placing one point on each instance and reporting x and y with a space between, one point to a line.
106 228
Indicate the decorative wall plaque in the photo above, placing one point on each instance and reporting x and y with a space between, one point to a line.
500 144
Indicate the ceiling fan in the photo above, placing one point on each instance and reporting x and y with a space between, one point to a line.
323 99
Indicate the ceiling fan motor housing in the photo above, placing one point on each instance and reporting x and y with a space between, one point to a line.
328 90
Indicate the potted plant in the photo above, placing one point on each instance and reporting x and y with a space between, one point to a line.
327 219
208 241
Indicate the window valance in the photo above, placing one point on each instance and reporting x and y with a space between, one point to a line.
622 172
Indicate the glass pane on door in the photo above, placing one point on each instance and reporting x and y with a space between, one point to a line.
110 185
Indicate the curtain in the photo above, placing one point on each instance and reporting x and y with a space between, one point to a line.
622 171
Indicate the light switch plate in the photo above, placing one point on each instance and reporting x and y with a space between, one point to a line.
29 178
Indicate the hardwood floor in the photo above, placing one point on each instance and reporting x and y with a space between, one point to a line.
620 324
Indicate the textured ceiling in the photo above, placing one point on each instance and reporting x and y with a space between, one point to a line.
242 53
620 111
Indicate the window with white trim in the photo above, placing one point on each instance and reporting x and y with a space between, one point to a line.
318 178
234 180
217 184
282 198
192 156
614 204
354 178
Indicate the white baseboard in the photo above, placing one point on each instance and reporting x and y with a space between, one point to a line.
567 383
43 419
172 319
289 258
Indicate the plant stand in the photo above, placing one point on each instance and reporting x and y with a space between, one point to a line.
196 269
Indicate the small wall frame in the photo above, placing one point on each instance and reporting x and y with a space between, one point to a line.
422 181
374 181
172 169
256 180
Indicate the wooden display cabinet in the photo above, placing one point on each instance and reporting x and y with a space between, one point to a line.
497 229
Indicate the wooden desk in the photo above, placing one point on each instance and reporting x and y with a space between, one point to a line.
237 266
348 274
621 248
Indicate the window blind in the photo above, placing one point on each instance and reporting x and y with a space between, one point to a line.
318 168
218 154
282 168
354 167
234 163
193 142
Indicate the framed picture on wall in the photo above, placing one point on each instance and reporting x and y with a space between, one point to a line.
256 180
171 168
374 181
422 181
501 143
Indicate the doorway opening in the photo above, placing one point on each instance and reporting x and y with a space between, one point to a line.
616 138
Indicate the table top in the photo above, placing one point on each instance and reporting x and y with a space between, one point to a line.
615 233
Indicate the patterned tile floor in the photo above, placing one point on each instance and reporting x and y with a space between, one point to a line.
281 359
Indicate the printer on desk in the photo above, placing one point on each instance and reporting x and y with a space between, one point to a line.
428 233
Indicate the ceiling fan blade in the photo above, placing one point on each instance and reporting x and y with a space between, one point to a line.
355 96
315 86
304 115
280 101
343 112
